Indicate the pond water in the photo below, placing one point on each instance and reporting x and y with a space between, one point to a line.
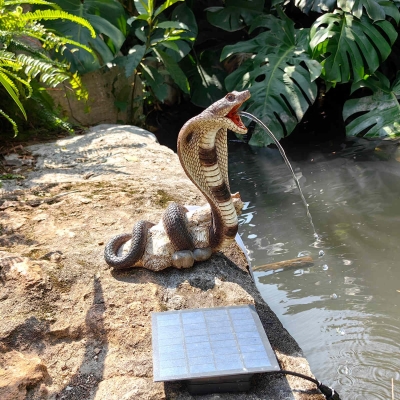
343 311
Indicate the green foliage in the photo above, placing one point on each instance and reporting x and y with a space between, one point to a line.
348 43
108 21
235 15
205 76
318 6
375 115
346 46
10 177
279 73
376 10
159 44
24 59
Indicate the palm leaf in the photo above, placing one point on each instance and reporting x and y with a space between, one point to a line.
376 115
347 47
281 87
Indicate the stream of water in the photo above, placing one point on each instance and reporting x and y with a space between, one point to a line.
343 311
287 162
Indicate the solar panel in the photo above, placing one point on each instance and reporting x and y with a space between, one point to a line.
210 343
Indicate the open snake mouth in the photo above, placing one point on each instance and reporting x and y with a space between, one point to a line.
235 118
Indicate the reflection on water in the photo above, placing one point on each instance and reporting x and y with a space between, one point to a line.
343 311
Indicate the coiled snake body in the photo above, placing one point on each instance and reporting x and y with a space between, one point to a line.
202 151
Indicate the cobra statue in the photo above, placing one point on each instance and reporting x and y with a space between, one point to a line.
202 151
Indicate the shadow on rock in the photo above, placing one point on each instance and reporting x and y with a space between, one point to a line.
83 385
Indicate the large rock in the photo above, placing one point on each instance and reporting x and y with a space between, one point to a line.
65 311
18 373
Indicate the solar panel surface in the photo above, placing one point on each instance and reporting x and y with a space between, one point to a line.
210 342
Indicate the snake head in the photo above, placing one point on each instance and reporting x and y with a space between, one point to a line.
225 110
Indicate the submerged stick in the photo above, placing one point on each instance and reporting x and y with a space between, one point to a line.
301 262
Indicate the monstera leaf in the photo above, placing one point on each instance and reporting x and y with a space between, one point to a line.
350 48
376 9
206 78
235 15
380 112
107 17
279 74
318 6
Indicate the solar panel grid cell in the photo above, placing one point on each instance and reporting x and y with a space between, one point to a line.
209 342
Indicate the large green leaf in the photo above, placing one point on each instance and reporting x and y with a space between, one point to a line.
318 6
107 17
184 14
206 78
376 115
144 7
5 81
165 5
235 15
156 82
178 49
132 60
174 70
281 87
184 31
376 9
350 48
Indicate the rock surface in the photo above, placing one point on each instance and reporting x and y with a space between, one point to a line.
72 328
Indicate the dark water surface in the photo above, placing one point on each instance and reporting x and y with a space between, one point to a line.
344 311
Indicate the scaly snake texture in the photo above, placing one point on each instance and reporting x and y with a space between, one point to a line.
202 151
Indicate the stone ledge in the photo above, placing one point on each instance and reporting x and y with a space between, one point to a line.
89 326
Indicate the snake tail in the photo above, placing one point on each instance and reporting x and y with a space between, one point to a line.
136 251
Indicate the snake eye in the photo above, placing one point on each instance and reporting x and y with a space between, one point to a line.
230 97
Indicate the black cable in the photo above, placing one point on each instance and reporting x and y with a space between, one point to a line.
329 393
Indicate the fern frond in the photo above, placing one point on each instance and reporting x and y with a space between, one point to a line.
11 121
8 60
38 2
5 79
12 90
12 64
25 63
18 45
6 55
51 41
78 87
25 84
45 110
58 14
49 74
61 42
